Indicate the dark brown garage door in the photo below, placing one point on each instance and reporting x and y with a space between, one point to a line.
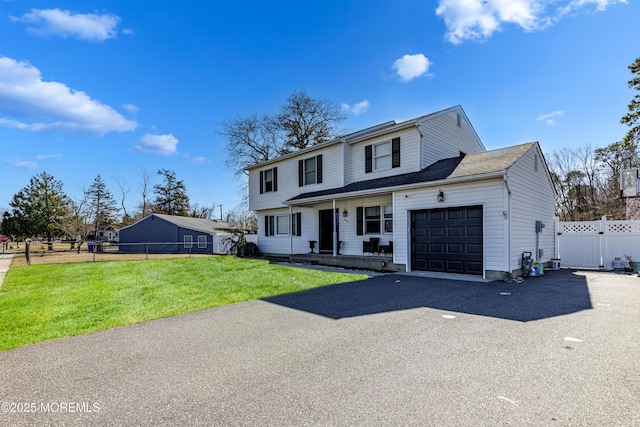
447 240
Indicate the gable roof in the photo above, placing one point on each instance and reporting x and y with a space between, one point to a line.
198 224
367 133
473 166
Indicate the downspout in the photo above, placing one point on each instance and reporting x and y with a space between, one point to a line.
335 229
507 215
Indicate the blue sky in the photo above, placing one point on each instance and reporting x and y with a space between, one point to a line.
111 87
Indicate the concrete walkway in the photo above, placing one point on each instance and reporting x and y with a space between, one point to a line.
5 263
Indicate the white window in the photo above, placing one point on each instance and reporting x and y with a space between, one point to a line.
382 156
270 225
268 180
372 220
388 219
202 241
310 171
282 224
188 241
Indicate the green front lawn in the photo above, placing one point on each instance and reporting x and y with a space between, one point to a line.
42 302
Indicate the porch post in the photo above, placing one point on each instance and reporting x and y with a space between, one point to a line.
290 230
335 229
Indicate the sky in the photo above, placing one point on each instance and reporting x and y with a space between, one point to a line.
117 87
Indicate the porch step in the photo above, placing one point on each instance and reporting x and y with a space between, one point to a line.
373 263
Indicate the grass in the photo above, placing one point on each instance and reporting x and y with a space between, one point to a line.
43 302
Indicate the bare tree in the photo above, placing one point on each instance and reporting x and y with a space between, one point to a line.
250 140
242 218
307 121
124 190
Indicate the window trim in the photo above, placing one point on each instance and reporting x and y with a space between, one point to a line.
285 227
201 244
273 187
372 221
188 241
302 170
376 157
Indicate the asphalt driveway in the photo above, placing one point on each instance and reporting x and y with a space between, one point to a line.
562 349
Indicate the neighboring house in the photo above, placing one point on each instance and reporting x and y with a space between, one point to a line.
426 188
107 234
159 233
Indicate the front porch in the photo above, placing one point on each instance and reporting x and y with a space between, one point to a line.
374 262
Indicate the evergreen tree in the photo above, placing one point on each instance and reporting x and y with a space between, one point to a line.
633 117
37 209
101 205
171 195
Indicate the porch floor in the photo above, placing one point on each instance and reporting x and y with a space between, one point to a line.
374 262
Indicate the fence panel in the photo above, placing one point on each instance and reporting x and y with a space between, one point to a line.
596 244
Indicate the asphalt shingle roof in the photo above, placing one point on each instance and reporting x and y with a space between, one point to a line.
201 224
465 166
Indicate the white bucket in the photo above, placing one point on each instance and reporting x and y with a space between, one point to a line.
555 264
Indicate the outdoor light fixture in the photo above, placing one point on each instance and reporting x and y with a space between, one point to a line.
345 213
440 196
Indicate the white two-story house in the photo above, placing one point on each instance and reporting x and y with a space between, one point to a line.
425 192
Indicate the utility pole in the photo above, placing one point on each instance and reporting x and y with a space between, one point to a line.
220 212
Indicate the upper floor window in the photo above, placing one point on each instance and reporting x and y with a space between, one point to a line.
310 171
382 156
269 180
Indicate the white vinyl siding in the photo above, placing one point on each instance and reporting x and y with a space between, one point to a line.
488 194
532 200
409 156
443 139
332 176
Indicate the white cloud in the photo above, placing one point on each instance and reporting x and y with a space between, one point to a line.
357 109
66 24
48 156
199 160
163 145
133 109
22 164
479 19
549 118
410 67
29 103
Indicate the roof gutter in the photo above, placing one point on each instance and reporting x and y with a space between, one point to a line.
375 191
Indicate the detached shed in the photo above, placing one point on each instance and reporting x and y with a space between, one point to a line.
158 233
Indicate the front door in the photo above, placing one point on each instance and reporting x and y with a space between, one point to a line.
326 230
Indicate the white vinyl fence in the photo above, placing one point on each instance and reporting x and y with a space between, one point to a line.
596 244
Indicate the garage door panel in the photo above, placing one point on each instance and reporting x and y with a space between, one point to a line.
436 248
457 231
448 240
474 249
455 248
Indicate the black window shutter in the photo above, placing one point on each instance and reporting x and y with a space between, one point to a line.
395 153
368 159
319 169
300 173
275 179
359 220
266 225
261 182
298 224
